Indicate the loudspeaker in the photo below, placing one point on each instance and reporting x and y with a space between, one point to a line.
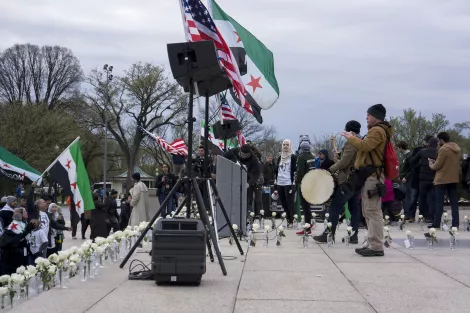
226 130
197 61
179 251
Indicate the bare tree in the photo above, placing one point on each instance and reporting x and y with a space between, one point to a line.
40 75
143 97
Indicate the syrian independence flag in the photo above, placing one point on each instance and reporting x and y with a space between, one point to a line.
69 171
255 61
16 169
231 143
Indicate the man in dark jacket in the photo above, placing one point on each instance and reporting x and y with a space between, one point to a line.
426 178
112 211
268 171
466 175
408 179
253 167
165 182
343 169
302 169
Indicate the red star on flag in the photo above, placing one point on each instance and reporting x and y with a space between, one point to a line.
78 204
221 145
68 163
74 185
238 37
14 226
254 83
5 165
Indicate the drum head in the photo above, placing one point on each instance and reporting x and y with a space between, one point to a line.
317 186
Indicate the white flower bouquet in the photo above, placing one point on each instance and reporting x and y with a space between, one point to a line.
281 233
388 238
432 238
42 266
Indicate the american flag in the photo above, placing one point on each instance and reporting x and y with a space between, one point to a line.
227 114
176 147
200 26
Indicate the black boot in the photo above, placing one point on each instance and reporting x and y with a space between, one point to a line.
353 239
323 238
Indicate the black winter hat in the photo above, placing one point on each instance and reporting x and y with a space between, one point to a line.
378 111
136 176
353 126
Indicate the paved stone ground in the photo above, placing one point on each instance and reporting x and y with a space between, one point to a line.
288 278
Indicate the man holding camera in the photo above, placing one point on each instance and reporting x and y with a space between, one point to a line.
370 164
165 182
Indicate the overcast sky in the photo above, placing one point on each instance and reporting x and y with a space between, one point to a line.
333 59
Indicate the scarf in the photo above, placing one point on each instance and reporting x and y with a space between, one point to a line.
286 155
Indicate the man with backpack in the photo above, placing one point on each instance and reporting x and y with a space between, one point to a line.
375 160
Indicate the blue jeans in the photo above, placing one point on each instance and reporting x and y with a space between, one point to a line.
451 190
427 198
170 206
341 197
411 201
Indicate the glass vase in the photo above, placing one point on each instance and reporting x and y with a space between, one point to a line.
12 301
83 271
24 291
266 239
261 223
32 287
17 289
452 242
305 240
312 224
347 239
431 244
329 238
101 261
3 301
411 238
279 241
122 249
39 284
63 278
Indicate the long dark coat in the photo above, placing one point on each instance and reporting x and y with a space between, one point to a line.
99 221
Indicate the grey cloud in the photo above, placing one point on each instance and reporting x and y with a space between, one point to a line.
333 59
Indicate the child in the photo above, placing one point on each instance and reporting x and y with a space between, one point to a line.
387 200
37 241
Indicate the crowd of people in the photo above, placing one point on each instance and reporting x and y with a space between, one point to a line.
428 173
30 229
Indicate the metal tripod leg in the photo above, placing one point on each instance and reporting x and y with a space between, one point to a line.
206 222
227 219
154 218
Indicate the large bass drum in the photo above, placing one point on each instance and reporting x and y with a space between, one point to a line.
317 186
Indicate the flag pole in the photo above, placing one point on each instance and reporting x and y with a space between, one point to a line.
52 164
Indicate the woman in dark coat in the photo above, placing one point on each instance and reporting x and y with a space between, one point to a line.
100 222
13 242
125 212
113 215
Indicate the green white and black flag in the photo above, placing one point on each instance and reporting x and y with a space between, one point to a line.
255 61
16 169
69 171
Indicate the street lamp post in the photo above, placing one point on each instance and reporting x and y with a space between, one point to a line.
109 77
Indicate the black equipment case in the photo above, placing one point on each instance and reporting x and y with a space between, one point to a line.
179 251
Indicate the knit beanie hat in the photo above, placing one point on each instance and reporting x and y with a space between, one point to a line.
305 146
353 126
10 199
245 152
378 111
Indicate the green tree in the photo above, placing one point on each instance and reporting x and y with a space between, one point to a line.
412 127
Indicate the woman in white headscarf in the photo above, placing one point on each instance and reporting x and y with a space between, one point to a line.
285 184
